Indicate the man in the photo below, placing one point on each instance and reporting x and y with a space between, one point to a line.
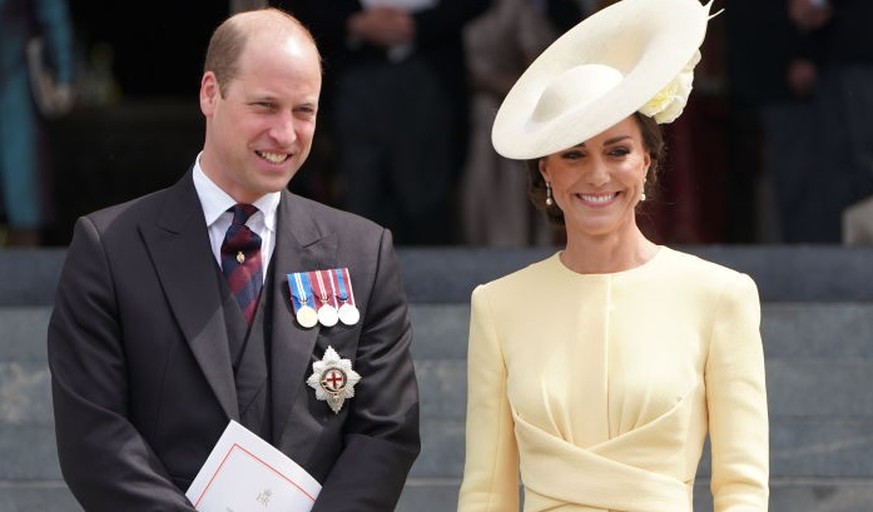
152 351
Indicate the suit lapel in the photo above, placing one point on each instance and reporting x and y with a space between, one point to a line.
299 247
179 245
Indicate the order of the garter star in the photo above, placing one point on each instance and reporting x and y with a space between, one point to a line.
333 379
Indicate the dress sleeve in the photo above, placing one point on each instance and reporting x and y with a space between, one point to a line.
737 401
490 480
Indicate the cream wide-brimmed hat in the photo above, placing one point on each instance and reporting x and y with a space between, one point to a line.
635 55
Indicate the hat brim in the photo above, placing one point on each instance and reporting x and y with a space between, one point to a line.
648 41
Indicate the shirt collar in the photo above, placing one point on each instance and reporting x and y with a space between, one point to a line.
216 201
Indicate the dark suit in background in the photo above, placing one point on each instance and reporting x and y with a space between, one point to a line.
398 121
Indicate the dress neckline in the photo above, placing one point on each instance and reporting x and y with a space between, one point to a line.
556 259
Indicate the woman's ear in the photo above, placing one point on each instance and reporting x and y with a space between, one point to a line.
541 165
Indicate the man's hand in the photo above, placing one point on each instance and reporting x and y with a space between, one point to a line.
382 26
809 15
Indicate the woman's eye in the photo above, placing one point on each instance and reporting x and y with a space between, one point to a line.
620 151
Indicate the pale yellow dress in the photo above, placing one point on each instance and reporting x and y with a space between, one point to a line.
599 389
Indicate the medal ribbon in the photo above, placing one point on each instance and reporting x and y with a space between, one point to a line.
296 282
342 275
326 298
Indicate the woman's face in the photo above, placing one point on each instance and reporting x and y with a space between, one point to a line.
598 183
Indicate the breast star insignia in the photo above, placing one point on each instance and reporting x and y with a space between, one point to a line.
333 379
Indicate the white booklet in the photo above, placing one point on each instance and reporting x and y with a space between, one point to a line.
245 473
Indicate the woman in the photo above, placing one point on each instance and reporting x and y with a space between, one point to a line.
597 373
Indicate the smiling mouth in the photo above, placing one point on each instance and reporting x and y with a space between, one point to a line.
273 158
597 199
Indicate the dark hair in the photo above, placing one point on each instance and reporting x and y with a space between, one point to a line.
227 43
653 141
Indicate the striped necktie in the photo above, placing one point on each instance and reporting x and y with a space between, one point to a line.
241 260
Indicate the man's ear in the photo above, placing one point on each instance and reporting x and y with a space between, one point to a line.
209 93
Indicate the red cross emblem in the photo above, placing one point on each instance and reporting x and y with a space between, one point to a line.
333 380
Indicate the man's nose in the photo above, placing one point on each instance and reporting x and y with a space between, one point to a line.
284 129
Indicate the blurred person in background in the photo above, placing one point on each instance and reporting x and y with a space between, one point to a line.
773 122
499 46
396 101
36 76
843 76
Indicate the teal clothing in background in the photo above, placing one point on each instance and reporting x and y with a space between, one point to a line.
22 150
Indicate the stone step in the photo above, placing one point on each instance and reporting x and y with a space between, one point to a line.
792 273
786 495
441 495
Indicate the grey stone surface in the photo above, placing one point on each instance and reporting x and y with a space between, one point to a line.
51 496
442 387
823 329
28 453
442 449
23 332
820 387
25 394
439 330
29 275
823 447
821 495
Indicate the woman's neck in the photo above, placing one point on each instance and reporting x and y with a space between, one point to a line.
587 254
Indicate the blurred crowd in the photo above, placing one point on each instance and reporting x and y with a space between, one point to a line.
776 145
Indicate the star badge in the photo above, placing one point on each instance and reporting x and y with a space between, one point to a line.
333 379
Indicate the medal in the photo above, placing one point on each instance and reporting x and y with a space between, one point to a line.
327 313
333 379
348 313
307 317
305 314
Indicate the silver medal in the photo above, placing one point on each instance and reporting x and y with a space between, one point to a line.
327 315
348 314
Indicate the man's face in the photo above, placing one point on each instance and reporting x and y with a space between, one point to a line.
260 133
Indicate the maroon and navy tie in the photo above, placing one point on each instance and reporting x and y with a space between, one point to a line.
241 260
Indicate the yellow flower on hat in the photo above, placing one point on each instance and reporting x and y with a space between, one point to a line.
668 104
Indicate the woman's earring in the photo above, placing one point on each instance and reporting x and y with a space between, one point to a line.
549 200
643 191
642 196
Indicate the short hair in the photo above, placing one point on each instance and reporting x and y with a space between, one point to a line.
653 141
227 44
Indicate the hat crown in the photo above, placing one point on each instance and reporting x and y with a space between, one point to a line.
575 87
650 46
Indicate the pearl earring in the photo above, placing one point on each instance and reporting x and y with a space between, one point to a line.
549 200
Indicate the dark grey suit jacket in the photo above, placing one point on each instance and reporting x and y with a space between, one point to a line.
141 373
